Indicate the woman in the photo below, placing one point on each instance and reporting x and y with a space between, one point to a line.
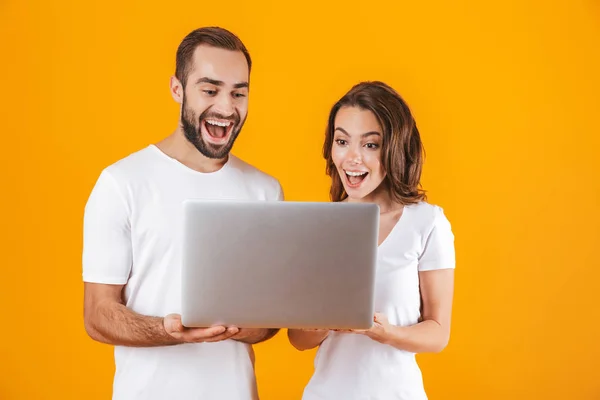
374 154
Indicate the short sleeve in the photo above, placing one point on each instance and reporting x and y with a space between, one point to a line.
107 253
438 252
280 195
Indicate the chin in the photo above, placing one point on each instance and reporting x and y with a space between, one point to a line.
356 194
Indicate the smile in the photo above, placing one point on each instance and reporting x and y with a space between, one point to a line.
217 131
355 178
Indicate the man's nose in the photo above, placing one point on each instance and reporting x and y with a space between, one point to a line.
224 106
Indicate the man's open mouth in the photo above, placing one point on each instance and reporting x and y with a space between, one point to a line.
217 131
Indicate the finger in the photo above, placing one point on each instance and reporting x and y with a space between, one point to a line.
201 334
233 330
224 336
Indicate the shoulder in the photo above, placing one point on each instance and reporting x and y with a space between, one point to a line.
132 164
121 174
426 212
255 177
426 216
436 237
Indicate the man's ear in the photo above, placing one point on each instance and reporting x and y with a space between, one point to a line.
176 90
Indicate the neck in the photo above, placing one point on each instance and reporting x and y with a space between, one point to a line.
178 147
381 197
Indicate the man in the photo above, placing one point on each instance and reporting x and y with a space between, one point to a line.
131 256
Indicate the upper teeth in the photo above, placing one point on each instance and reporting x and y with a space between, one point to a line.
355 173
218 123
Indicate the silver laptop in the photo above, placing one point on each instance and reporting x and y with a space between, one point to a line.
271 264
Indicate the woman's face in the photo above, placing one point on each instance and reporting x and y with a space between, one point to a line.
356 151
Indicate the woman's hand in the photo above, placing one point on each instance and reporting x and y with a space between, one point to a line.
380 331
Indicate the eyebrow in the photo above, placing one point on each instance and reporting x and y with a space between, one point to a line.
364 135
215 82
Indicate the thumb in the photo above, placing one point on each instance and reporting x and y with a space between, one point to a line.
172 323
380 318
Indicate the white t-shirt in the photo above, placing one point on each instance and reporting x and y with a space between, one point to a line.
352 366
132 236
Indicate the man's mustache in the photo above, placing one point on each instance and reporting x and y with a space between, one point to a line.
233 118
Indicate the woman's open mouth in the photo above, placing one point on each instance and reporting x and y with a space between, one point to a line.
355 178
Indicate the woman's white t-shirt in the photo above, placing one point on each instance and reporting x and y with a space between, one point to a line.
352 366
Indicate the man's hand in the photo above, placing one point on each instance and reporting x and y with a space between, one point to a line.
175 328
254 335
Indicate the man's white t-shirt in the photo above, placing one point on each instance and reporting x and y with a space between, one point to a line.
132 236
352 366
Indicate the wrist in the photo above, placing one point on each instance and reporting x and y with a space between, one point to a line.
395 334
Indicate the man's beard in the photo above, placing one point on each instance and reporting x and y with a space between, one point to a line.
194 135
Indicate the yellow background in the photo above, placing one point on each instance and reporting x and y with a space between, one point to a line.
506 94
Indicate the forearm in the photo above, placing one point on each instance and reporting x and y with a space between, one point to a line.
113 323
254 336
306 340
425 337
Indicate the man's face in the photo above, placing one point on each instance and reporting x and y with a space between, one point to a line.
215 100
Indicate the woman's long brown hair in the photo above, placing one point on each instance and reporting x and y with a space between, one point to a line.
402 151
